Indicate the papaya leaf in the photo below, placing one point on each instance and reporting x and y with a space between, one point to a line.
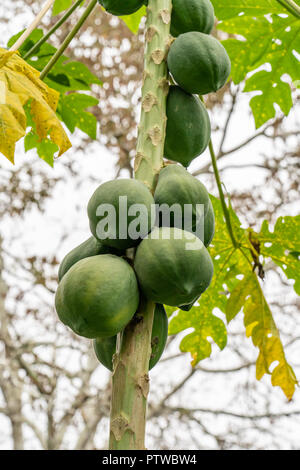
260 326
72 109
20 84
133 21
235 288
283 246
268 37
272 92
206 325
12 121
65 77
61 5
228 263
45 148
28 43
225 9
170 310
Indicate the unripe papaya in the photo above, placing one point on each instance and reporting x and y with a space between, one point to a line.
91 247
209 225
192 15
199 63
98 296
177 186
159 335
105 348
108 209
187 308
121 7
173 266
188 127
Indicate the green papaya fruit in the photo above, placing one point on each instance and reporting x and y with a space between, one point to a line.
121 7
173 266
105 348
159 335
177 187
91 247
198 63
192 15
98 296
209 225
188 127
108 213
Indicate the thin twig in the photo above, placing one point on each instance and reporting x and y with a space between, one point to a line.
229 116
189 411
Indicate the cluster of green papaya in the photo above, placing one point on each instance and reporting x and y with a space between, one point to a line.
100 284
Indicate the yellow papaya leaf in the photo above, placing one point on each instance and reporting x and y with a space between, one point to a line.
260 325
12 123
20 84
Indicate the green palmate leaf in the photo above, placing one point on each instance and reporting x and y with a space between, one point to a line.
34 37
46 149
66 75
283 246
225 9
266 43
235 288
272 92
72 109
260 326
23 88
169 310
133 21
272 42
205 325
280 39
61 5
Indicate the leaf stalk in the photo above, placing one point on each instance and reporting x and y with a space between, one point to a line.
291 7
33 25
68 39
51 31
221 194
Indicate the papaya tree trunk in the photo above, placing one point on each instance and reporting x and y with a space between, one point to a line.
130 380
